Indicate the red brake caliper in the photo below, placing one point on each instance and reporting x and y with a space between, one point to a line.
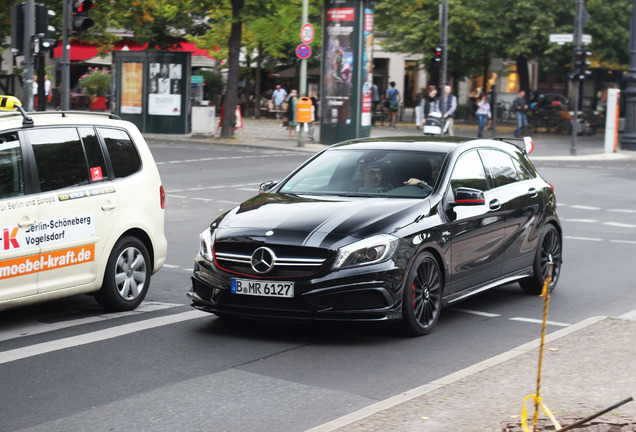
413 294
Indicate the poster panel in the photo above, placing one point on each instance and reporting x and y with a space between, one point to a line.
367 64
164 91
131 88
339 64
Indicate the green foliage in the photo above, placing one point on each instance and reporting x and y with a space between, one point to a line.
95 82
213 83
479 30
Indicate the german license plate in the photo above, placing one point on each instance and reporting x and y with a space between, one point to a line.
262 288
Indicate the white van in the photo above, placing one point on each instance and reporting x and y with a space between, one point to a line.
81 208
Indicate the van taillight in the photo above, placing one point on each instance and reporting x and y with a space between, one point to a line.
162 197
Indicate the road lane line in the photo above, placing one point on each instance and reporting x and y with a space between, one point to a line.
621 211
44 327
582 207
101 335
583 238
619 224
538 321
623 241
581 220
474 312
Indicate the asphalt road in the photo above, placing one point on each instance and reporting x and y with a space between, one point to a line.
67 366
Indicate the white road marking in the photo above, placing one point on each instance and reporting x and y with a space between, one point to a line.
582 207
623 241
170 266
620 225
479 313
583 238
538 321
176 196
228 202
621 211
100 335
38 328
581 220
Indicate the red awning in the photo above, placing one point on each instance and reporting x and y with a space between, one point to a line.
82 51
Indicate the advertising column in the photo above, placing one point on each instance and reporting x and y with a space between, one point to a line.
347 77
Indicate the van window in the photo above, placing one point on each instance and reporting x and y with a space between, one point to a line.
94 155
122 152
59 158
11 171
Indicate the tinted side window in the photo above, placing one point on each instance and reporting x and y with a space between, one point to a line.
94 156
500 167
59 158
522 174
11 170
122 152
469 172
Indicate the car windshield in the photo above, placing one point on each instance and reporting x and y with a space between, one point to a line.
375 173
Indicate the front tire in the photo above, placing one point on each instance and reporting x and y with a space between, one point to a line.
422 298
549 249
127 276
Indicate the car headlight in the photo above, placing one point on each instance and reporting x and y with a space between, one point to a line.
206 242
368 251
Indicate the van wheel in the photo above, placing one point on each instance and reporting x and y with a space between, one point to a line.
127 276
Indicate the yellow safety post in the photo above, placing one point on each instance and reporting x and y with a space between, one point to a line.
536 397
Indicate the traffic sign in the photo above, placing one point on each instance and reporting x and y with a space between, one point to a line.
303 51
562 38
307 33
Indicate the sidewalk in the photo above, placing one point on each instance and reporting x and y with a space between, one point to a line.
587 367
269 133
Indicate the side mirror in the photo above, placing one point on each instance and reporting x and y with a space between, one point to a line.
469 197
266 186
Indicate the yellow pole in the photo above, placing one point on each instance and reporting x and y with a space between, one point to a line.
546 301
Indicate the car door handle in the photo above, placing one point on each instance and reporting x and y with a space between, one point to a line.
26 223
532 192
108 206
494 204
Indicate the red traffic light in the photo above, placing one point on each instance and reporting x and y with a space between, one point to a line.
438 54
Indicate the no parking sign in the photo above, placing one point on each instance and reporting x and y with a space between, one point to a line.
303 51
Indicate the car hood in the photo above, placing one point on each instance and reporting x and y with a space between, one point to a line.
317 221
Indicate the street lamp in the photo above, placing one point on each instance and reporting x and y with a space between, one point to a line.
628 141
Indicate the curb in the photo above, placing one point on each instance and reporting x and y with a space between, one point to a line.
456 376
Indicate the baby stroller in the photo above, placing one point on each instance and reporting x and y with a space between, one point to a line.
435 125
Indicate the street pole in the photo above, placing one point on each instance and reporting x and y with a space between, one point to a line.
302 91
444 25
29 30
578 35
66 62
628 141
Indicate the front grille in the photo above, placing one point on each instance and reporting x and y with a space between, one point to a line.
288 261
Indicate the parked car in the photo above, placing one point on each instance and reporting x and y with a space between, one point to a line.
383 229
81 207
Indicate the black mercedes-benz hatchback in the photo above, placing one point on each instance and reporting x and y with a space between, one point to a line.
383 229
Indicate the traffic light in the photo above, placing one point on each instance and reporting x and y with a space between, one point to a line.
438 54
42 28
81 22
580 64
17 29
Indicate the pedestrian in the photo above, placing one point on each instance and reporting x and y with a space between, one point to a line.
419 97
430 102
314 104
278 96
519 107
292 100
375 100
483 113
392 96
451 106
